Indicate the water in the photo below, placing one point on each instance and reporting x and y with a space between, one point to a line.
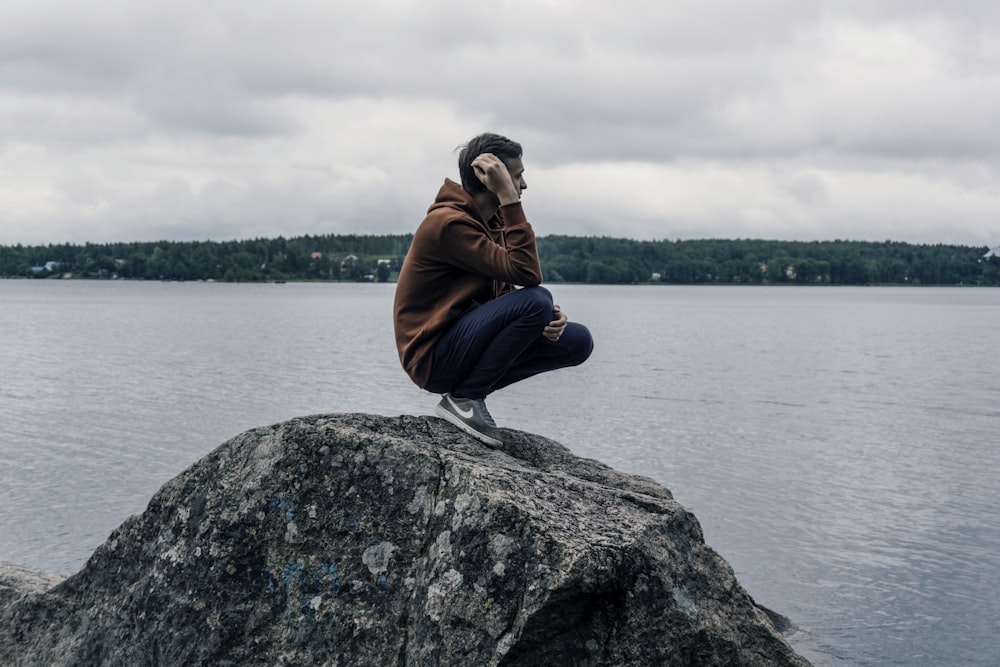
838 445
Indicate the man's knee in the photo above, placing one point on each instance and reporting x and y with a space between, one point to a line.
579 339
531 305
538 296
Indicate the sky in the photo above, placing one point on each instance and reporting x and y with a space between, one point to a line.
138 120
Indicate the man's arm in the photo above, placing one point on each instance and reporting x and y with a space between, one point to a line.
497 178
465 244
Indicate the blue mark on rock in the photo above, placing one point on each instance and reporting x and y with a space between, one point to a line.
287 505
353 524
308 588
330 569
292 570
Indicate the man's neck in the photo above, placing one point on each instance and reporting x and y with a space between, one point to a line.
488 204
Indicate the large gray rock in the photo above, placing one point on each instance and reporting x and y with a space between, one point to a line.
359 540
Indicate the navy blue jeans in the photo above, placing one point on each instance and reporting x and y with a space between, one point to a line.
501 342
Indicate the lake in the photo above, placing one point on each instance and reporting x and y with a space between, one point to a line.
838 445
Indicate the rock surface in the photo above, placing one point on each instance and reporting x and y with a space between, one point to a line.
360 540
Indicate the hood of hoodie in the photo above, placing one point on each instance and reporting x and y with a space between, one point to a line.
453 196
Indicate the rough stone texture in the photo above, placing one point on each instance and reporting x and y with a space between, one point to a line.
16 581
359 540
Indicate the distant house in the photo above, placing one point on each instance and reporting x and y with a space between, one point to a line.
994 252
347 264
49 266
316 255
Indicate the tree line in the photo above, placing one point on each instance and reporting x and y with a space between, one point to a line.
597 260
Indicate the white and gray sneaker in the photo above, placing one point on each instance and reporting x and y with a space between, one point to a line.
470 415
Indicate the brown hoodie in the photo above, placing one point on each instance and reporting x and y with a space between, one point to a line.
457 261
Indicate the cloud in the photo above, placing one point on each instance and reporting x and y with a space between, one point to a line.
123 120
793 200
353 168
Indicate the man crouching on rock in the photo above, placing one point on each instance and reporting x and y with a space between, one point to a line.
463 328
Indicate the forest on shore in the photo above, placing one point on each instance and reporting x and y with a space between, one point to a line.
575 259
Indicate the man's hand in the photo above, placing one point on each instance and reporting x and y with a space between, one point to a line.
493 173
554 329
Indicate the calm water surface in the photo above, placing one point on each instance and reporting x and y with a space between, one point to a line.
838 445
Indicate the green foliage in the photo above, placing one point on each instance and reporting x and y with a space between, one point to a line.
572 259
348 258
747 261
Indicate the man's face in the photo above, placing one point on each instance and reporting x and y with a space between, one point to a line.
516 169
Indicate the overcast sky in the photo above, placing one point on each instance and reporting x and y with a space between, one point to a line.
125 120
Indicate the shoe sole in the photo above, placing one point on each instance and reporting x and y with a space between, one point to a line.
457 421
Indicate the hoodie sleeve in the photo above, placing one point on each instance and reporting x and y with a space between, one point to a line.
469 246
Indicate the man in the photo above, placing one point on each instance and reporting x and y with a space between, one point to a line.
463 329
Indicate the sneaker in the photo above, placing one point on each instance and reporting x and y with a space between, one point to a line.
471 416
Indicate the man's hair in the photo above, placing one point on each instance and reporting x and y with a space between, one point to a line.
502 147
